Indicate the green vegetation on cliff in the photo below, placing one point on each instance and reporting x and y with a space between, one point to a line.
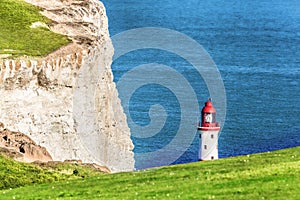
16 36
16 174
273 175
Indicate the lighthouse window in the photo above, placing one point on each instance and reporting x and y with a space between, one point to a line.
208 118
212 136
205 146
212 157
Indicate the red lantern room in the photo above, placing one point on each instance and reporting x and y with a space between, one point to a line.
208 121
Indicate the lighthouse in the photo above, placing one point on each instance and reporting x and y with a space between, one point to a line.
209 132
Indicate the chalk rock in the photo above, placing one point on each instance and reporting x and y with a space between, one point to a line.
67 101
23 147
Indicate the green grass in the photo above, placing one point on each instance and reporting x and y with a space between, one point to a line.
16 36
15 174
272 175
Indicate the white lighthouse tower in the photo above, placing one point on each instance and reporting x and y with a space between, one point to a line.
209 133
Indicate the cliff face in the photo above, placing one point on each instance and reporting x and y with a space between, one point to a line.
67 101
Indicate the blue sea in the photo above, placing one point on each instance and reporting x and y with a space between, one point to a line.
256 48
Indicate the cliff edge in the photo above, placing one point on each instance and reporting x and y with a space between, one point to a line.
67 101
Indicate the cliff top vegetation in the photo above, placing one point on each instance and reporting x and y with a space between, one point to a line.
21 35
272 175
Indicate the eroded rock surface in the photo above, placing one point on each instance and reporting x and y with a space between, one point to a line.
22 148
67 101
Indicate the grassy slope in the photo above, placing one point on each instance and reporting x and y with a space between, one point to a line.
15 174
16 36
272 175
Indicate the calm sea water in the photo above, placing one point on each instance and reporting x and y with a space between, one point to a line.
256 46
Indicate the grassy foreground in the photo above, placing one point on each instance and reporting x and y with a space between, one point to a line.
15 174
16 36
274 175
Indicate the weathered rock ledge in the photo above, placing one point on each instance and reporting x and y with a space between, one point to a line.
21 147
67 101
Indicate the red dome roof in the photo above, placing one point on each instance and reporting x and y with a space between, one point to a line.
208 108
208 121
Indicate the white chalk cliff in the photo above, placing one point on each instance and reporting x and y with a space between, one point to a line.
67 101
